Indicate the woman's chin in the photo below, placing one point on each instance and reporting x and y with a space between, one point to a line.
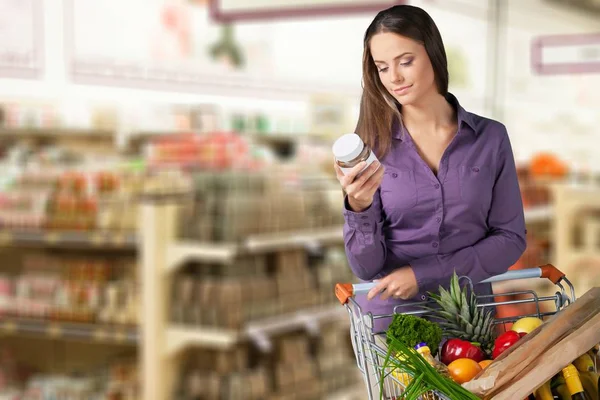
407 98
404 100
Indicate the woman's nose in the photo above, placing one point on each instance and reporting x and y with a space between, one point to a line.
396 76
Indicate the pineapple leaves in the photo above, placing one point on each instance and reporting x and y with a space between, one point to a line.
459 315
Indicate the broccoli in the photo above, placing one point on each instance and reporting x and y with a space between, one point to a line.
412 330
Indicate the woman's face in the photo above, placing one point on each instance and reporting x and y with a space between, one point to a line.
404 67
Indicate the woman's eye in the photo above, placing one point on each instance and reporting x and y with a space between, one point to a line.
382 69
407 63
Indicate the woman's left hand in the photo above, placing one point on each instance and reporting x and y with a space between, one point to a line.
400 284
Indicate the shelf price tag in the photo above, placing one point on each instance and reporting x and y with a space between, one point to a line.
5 237
9 327
120 336
99 334
51 237
97 239
54 330
119 239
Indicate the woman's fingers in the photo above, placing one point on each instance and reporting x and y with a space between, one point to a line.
370 187
338 172
366 176
380 287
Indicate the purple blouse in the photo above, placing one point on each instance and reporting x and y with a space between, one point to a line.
468 218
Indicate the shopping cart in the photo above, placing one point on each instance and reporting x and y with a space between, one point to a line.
370 348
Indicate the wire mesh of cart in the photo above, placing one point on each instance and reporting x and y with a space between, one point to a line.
369 345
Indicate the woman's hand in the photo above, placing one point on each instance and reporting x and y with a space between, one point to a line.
400 284
360 190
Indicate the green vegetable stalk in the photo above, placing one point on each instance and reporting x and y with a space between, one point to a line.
424 376
412 330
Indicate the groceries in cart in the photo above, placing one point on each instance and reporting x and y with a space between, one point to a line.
453 346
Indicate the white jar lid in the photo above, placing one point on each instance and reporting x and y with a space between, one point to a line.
347 147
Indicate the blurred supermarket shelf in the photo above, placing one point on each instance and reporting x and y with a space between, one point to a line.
354 392
57 133
182 251
211 252
99 141
55 330
91 240
539 214
259 331
182 337
283 240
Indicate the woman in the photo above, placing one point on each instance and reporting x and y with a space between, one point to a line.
446 195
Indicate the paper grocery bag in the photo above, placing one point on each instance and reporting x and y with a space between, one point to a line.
543 353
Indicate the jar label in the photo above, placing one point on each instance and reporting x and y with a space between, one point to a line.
369 160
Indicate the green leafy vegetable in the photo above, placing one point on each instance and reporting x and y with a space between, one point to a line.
412 330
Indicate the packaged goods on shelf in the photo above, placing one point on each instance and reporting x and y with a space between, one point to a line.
294 368
283 282
119 379
72 290
62 199
218 150
332 268
221 374
230 206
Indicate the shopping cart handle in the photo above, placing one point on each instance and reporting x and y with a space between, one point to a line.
547 271
343 291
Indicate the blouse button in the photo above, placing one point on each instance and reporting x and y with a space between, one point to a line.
475 169
394 175
423 297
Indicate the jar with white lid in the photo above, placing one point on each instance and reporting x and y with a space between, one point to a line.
349 150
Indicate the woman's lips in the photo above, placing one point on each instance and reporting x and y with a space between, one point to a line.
402 90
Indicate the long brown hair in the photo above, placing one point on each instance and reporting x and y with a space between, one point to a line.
379 111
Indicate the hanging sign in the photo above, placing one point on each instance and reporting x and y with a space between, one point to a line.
566 54
244 10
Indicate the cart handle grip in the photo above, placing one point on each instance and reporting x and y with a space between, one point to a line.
547 271
343 291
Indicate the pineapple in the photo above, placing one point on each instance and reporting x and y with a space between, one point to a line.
459 316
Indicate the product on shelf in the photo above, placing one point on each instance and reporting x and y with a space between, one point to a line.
119 380
299 366
250 291
218 150
72 290
68 200
534 192
230 206
548 165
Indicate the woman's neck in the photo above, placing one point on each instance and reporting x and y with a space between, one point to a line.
430 114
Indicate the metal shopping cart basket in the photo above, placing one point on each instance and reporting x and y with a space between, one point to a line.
369 346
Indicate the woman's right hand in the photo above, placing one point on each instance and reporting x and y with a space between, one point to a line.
361 190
